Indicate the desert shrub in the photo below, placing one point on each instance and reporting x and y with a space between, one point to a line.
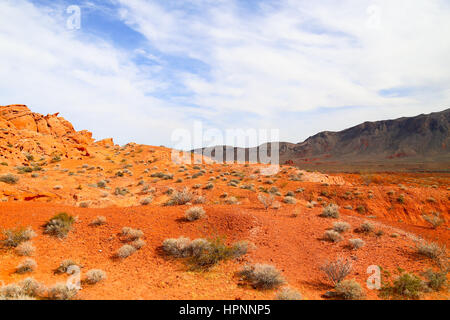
131 234
138 244
27 265
61 291
231 200
406 285
25 249
14 237
288 294
101 184
177 247
98 221
85 204
125 251
240 248
349 290
194 213
60 225
356 243
290 194
65 265
32 288
366 227
146 201
289 200
9 179
199 200
431 250
341 226
266 201
436 281
180 197
337 270
330 211
333 236
209 186
95 275
434 220
28 289
262 276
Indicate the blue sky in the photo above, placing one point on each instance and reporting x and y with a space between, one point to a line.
138 70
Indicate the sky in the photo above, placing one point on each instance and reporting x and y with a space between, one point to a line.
139 70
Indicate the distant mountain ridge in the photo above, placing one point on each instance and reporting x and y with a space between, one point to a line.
423 138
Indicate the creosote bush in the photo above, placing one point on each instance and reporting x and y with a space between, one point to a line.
194 213
60 225
330 211
14 237
262 276
288 294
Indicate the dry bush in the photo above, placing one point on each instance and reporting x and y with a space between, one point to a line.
333 236
231 200
436 281
180 197
366 227
28 289
194 213
132 234
9 178
65 265
337 270
14 237
146 201
266 201
25 249
177 247
27 265
356 243
199 200
95 275
99 221
125 251
60 225
288 294
138 244
341 226
434 220
431 250
289 200
262 276
61 291
349 290
330 211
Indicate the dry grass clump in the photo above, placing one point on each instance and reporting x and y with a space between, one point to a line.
330 211
131 234
146 201
337 270
366 227
431 250
125 251
434 220
202 253
26 266
349 290
14 237
9 178
61 291
60 225
65 265
194 213
289 200
356 243
28 289
138 244
333 236
266 201
94 276
25 249
98 221
232 200
341 226
262 276
180 197
288 294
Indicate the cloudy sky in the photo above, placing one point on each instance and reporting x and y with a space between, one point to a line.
137 70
